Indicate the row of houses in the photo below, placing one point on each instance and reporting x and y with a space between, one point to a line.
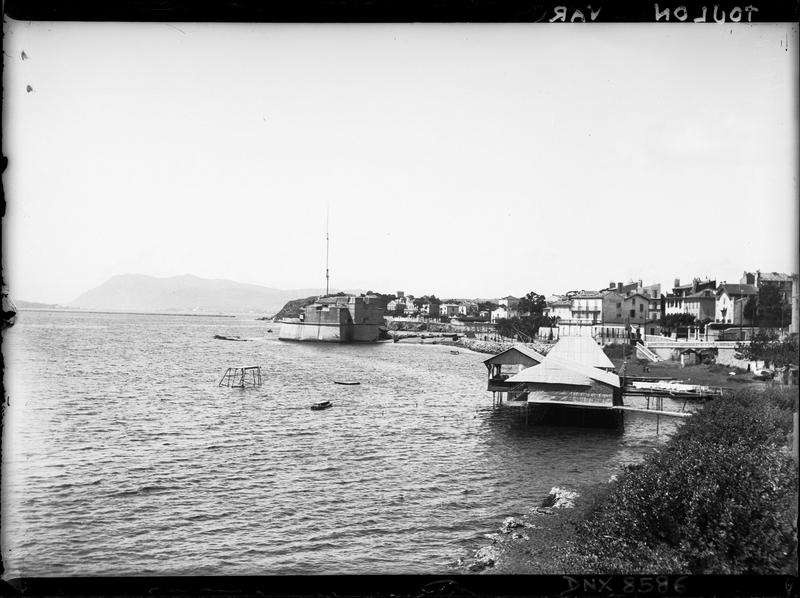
407 305
637 304
623 305
619 303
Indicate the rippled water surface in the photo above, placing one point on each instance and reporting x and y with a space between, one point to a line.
122 456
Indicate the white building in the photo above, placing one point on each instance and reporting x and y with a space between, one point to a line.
730 302
448 309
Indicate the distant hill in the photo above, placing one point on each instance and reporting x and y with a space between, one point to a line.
294 308
21 304
188 293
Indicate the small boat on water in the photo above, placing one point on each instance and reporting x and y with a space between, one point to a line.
223 337
454 352
321 405
345 383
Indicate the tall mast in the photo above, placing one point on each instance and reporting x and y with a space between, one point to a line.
327 250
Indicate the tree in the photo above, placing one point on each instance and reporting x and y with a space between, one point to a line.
768 347
525 327
487 306
772 310
676 320
533 303
749 310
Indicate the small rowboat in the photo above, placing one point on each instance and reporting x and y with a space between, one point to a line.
322 405
346 383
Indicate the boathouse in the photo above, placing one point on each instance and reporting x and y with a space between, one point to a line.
508 363
565 392
574 384
566 382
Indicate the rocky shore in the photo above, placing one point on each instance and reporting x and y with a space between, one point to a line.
533 543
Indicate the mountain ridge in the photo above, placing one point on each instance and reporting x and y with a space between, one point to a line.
188 293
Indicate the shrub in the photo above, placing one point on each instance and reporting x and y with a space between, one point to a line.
720 497
618 351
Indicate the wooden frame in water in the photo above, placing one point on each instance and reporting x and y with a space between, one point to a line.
241 377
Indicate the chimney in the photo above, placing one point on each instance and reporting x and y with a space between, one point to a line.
619 287
677 282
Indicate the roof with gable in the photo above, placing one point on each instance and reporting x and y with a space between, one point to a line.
736 290
526 351
704 294
551 373
582 349
586 295
557 370
774 277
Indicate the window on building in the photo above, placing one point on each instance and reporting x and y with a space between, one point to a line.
619 305
641 307
633 313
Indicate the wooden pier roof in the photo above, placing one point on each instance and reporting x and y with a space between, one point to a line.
582 349
557 370
518 354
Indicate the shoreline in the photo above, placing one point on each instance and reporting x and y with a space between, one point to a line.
537 542
471 344
647 518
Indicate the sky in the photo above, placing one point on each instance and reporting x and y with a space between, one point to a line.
461 160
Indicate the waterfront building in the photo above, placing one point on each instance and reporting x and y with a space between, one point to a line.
403 303
510 302
566 383
586 307
612 307
730 300
559 307
339 319
560 390
654 311
467 308
702 305
448 309
430 309
777 280
507 363
503 312
674 303
616 310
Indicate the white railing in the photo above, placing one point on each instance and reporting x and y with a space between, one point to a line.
684 344
656 338
643 350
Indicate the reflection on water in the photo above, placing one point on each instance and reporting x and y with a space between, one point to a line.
122 456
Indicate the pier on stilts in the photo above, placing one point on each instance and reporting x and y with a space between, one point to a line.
575 384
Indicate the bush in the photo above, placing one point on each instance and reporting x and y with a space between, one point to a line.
619 351
719 498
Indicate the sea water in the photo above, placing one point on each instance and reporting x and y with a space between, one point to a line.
123 456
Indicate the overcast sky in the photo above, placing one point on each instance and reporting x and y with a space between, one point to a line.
460 160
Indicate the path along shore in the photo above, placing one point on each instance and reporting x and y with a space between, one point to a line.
491 347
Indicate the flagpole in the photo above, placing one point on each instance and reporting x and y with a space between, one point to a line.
327 252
